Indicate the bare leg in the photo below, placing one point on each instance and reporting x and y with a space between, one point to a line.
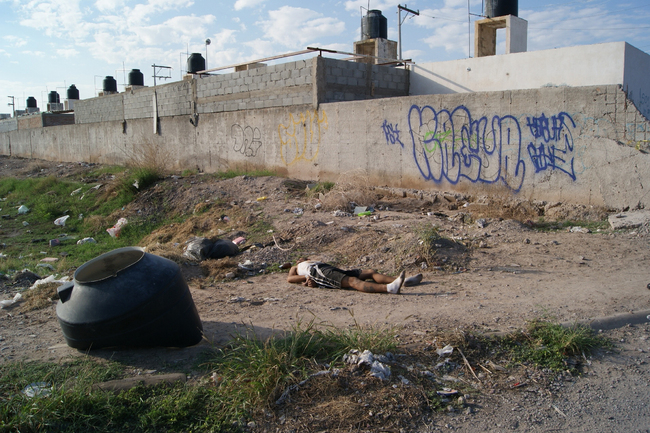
370 274
393 286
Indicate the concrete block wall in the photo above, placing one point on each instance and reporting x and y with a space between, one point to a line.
7 125
51 119
353 81
138 103
107 108
280 85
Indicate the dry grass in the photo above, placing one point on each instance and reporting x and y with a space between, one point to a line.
354 187
40 297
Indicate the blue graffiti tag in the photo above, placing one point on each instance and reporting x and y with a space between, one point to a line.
392 133
555 151
450 145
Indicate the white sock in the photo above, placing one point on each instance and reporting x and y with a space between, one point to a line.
396 285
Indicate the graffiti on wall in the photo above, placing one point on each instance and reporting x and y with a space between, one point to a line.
246 141
300 138
555 148
392 133
452 145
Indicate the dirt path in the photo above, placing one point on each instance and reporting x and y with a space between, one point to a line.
491 275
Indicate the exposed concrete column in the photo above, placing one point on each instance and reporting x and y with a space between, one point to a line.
318 83
485 35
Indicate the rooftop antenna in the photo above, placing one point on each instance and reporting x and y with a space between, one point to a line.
157 69
401 8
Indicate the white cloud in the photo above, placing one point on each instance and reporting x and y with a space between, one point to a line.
223 38
109 5
14 41
242 4
356 5
67 52
296 27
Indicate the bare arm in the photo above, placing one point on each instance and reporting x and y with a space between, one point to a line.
294 277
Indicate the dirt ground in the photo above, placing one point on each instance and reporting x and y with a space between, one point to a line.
491 269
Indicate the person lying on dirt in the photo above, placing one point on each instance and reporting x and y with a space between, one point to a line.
318 274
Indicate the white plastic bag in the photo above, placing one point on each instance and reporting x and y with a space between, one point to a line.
61 221
117 228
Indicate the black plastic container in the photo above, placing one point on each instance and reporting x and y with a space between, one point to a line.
31 102
499 8
53 97
109 84
374 25
136 78
195 63
73 92
130 298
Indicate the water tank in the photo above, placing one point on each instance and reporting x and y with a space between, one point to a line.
195 63
374 25
130 298
53 97
73 92
109 84
499 8
136 78
31 102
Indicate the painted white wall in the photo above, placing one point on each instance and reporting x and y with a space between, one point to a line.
587 65
636 81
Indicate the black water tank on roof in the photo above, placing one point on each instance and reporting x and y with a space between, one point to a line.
374 25
109 84
31 102
53 97
73 92
136 78
499 8
195 63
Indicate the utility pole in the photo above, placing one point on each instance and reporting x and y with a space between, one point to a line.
401 8
207 42
13 105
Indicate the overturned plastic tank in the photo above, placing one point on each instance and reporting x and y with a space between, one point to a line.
129 298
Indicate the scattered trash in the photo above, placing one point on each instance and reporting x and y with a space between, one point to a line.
61 221
9 303
86 241
230 275
261 198
445 351
447 392
298 211
4 256
578 229
117 228
481 223
76 191
25 223
136 184
50 260
318 206
203 248
239 240
45 265
50 279
247 265
23 210
366 213
55 242
38 389
338 213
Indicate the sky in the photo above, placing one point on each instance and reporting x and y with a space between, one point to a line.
47 45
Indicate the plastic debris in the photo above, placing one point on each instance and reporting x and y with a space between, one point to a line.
86 241
338 213
298 211
445 351
136 184
50 279
117 228
76 191
38 389
23 210
9 303
61 221
55 242
25 223
239 240
261 198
